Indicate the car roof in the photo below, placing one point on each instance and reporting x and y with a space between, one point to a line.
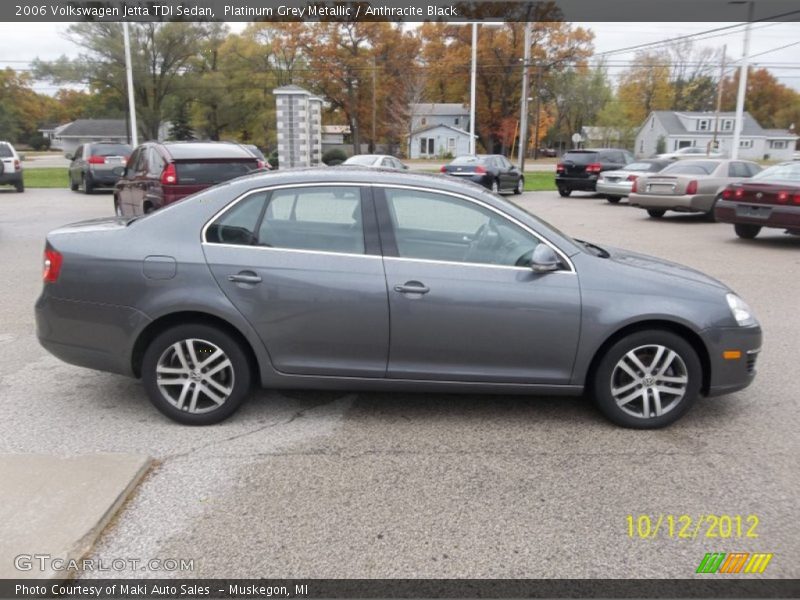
188 150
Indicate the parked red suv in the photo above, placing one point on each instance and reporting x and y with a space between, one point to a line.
159 173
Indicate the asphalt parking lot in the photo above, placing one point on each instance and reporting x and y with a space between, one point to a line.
309 484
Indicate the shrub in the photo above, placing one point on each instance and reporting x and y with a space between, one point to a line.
38 142
334 156
273 159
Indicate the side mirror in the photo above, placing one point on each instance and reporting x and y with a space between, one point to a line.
544 259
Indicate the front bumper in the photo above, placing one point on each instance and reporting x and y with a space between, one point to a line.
678 203
89 334
730 375
763 215
581 184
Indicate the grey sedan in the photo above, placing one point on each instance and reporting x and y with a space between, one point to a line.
359 279
688 186
617 184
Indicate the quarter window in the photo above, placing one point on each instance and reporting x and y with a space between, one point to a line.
432 226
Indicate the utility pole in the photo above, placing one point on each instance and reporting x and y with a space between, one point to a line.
538 108
719 100
473 77
737 128
129 74
523 119
374 104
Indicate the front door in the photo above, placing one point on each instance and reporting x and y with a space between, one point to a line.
464 304
303 266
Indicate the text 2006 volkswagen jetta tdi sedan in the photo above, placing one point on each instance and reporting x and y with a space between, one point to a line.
370 280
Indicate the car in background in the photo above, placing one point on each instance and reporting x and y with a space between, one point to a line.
688 185
11 167
377 161
365 279
690 152
579 169
617 184
795 155
770 198
159 173
256 151
547 152
94 165
492 171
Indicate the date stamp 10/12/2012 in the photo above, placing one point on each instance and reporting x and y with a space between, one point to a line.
690 527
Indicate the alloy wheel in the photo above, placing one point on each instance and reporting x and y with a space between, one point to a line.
195 376
649 381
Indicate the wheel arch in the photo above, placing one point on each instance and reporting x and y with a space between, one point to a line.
153 329
665 325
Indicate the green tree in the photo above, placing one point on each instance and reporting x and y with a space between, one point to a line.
646 86
181 129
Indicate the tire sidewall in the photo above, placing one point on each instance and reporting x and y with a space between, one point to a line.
241 367
601 384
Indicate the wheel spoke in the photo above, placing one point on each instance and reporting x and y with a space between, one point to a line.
633 395
224 390
645 404
625 367
184 392
195 394
181 356
224 364
219 400
654 363
657 402
164 370
208 361
631 356
681 379
667 363
192 353
171 380
624 388
668 390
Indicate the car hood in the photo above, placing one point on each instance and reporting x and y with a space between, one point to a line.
635 260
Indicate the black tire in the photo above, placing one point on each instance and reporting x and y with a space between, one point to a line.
495 187
613 199
240 373
710 216
746 231
656 213
520 186
564 191
73 185
606 372
88 186
20 185
117 207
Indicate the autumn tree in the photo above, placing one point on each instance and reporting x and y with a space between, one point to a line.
770 102
646 86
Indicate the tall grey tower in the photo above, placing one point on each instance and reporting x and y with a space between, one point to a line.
299 127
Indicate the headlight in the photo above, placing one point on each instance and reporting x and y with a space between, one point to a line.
740 311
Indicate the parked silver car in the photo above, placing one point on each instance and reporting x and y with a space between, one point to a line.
690 152
377 161
615 185
688 186
359 279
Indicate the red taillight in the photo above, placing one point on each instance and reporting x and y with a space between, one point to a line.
738 194
783 197
261 164
796 199
594 168
691 188
560 167
443 169
17 165
632 177
727 194
52 265
635 186
169 176
96 160
480 169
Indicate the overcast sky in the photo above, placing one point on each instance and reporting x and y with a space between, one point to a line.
22 42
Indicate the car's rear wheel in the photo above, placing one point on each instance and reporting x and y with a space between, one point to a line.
564 191
656 213
520 186
20 185
86 184
613 199
117 207
73 185
196 374
647 380
746 231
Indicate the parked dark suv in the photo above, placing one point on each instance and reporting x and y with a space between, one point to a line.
159 173
578 169
96 165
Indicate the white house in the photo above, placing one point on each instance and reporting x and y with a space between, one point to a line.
438 129
82 131
682 129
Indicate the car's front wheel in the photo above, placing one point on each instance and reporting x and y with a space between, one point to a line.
647 380
196 374
564 191
520 186
746 231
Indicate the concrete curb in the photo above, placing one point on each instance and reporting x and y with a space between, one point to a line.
58 506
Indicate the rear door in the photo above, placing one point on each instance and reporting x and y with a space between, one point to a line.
575 163
303 265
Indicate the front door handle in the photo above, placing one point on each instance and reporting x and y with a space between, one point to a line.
245 277
412 287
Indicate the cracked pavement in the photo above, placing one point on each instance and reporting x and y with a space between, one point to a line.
318 484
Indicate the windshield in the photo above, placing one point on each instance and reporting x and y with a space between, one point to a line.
784 172
580 158
643 166
466 160
111 150
5 151
691 167
362 159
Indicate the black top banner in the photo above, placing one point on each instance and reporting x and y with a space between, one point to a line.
416 11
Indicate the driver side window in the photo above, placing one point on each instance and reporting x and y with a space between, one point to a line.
431 226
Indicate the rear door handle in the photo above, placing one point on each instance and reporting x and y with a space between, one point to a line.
245 277
412 287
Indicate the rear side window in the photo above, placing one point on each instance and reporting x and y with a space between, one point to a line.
5 151
208 173
110 150
738 169
326 219
642 166
581 158
466 160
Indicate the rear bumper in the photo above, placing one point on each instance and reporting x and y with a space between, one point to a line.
621 188
88 334
782 217
581 184
13 177
679 203
484 179
730 375
103 177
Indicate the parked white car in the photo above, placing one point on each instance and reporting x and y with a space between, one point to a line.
691 152
10 167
